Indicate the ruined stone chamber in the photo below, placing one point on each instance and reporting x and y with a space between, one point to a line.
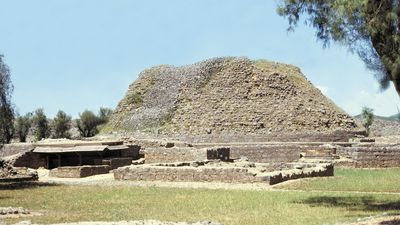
240 104
213 164
84 159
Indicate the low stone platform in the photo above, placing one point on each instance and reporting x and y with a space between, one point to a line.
372 156
78 171
179 154
221 172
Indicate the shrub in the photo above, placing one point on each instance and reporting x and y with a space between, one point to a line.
368 116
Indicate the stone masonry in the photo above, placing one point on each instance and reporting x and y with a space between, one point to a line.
165 155
373 156
225 174
78 171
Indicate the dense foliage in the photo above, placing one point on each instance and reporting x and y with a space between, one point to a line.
61 125
6 108
369 28
89 123
41 125
22 126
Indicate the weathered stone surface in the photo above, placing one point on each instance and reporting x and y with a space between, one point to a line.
12 149
116 162
228 96
165 155
373 156
228 173
267 153
78 171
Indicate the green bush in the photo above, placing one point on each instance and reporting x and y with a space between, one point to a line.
368 116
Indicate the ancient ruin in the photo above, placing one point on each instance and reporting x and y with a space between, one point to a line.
229 100
228 119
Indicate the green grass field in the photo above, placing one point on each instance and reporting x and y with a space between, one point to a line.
115 203
365 180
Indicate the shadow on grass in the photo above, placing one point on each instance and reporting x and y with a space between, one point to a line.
365 203
24 185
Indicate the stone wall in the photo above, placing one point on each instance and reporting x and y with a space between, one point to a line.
335 136
30 160
217 174
159 173
323 170
132 152
12 149
78 171
372 156
167 155
267 153
115 163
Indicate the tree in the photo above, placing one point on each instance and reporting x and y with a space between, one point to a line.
369 28
6 108
41 125
87 124
61 125
22 126
368 117
104 114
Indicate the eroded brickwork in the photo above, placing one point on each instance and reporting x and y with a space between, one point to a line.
78 171
166 155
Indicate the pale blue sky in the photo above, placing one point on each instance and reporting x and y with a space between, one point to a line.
76 55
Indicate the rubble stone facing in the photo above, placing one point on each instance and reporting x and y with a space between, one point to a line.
117 162
218 174
166 155
12 149
29 159
228 96
373 156
78 171
267 153
155 173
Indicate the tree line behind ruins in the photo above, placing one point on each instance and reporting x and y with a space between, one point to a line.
36 123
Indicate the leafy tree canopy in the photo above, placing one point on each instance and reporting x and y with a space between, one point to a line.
61 125
6 108
42 128
22 126
369 28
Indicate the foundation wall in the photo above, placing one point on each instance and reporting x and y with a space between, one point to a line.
334 136
157 173
12 149
266 153
78 171
115 163
169 155
30 160
217 174
372 156
132 152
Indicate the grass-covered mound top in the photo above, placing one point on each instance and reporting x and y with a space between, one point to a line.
227 96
